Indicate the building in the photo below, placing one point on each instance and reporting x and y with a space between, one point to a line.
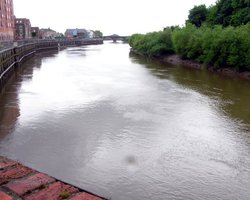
35 32
23 28
76 33
71 33
47 33
6 20
90 34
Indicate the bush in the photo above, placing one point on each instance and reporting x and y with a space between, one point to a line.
153 44
218 46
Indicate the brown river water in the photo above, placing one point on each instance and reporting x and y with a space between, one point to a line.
129 128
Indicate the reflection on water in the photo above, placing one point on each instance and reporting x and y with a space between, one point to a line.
233 93
126 127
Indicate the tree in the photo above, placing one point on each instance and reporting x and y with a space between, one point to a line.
232 12
98 34
224 12
212 12
198 15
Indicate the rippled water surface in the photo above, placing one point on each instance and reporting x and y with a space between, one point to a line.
129 128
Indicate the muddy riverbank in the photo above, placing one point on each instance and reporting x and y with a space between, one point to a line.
177 60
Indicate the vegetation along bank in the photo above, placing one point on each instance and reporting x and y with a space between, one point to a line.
217 36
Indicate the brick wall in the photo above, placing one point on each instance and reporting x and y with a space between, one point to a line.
6 20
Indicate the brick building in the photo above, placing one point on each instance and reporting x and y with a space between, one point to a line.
23 28
76 33
47 33
6 20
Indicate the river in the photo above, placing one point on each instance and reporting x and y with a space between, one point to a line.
129 128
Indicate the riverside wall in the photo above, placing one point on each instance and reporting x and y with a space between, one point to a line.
12 57
21 182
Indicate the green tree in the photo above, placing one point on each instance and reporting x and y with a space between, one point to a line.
198 15
224 12
212 12
98 34
232 12
153 44
222 41
181 39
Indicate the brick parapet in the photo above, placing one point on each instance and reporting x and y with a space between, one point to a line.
18 182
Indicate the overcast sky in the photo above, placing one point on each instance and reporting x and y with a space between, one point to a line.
123 17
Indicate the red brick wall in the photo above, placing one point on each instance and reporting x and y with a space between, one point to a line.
6 20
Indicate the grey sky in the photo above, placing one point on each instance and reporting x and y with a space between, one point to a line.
110 16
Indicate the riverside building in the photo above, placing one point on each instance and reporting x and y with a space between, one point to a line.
6 20
23 28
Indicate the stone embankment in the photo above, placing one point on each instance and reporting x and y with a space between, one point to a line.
18 182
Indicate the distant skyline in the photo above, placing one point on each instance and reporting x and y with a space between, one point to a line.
109 16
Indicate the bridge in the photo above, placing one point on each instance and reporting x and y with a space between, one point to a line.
116 37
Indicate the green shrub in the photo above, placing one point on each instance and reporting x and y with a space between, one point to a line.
218 46
153 44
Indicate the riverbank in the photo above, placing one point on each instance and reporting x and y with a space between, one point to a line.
177 60
226 49
20 182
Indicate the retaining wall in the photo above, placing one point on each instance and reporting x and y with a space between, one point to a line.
12 57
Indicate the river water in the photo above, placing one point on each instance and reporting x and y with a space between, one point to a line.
129 128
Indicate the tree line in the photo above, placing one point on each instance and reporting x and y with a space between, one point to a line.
218 35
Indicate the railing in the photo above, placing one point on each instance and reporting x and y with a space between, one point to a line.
16 52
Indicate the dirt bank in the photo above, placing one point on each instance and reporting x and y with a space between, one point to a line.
177 60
